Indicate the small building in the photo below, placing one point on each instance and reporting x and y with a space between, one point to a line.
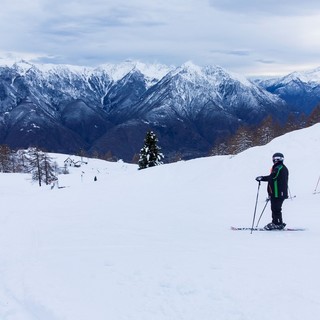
71 163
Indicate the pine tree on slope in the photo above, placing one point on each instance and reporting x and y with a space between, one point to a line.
150 155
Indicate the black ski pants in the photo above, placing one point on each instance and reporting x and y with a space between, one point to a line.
276 208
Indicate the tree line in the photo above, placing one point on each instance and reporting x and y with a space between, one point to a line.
44 170
250 136
38 163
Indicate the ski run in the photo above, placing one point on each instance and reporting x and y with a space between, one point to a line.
156 244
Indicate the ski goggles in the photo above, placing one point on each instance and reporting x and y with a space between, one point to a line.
276 159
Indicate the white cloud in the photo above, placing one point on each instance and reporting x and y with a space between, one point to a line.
269 7
243 36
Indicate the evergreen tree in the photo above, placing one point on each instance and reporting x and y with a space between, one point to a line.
150 155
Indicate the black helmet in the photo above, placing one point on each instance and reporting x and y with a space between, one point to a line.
277 157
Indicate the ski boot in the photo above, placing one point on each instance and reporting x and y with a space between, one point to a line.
273 226
270 226
281 226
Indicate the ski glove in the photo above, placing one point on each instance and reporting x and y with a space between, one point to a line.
259 178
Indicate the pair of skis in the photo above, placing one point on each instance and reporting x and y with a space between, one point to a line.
263 229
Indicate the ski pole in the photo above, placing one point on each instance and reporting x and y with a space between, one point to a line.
315 190
262 211
290 195
255 208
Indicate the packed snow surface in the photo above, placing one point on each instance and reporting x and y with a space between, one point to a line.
156 244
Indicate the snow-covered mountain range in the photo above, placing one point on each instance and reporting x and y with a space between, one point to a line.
300 90
109 109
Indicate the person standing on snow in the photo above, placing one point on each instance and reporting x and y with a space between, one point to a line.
277 190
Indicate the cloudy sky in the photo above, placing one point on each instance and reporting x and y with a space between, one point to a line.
251 37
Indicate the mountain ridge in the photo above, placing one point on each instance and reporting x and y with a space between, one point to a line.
108 109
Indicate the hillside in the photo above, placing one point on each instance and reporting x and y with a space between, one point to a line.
156 243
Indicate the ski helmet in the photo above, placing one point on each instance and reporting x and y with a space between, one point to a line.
277 157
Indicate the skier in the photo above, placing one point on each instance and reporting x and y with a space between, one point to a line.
277 190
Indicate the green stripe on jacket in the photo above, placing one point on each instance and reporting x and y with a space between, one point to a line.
276 191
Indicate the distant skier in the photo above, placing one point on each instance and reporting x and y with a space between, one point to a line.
277 190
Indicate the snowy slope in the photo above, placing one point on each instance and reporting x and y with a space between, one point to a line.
156 244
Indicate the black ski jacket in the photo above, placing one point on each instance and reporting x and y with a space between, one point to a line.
278 181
